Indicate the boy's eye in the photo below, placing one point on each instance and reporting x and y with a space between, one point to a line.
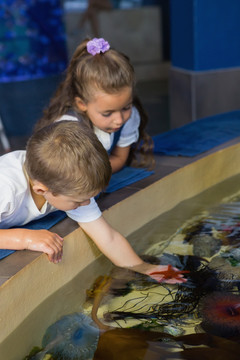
127 108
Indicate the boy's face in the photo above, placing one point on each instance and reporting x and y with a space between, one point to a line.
60 202
65 203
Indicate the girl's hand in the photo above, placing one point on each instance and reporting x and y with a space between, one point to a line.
45 241
167 274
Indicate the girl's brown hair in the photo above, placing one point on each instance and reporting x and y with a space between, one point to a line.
108 72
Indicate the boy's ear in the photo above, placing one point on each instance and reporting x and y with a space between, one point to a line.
38 187
80 104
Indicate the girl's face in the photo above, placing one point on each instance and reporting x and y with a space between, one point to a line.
108 112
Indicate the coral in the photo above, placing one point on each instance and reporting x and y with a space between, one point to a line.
74 336
205 245
221 314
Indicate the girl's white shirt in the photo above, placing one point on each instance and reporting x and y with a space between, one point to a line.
129 133
17 206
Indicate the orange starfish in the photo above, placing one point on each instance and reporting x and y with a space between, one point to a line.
170 273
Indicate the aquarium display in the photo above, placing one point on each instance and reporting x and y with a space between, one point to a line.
139 318
32 39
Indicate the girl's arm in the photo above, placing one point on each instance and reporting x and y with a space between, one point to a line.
113 245
36 240
118 157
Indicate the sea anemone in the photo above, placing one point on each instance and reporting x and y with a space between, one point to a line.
220 312
74 336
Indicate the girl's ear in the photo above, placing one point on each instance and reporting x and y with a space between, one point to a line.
80 104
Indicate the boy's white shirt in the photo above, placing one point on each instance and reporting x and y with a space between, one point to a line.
128 136
17 206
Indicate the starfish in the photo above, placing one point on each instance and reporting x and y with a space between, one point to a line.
170 273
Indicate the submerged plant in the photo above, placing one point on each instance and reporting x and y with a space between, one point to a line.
183 298
35 350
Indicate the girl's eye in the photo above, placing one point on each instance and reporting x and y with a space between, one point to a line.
107 114
127 108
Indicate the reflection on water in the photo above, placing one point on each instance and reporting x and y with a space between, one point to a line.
200 319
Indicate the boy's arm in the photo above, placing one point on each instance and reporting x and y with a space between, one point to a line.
118 157
113 245
36 240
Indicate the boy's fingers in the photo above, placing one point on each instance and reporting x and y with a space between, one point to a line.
59 257
56 242
158 278
59 238
54 251
56 258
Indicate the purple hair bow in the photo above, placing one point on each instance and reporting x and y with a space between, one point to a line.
97 45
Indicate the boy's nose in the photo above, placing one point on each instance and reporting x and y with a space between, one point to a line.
86 202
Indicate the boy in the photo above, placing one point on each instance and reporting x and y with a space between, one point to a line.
64 167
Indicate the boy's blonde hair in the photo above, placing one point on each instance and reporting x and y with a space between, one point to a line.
68 159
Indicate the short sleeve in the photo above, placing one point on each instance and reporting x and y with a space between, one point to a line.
130 132
85 213
67 117
7 201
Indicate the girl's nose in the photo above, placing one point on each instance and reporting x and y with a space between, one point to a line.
119 119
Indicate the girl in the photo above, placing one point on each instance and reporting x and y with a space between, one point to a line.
99 91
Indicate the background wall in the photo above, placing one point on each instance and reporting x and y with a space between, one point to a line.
203 52
37 38
205 56
33 55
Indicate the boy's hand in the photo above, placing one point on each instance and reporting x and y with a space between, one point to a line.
45 241
167 274
161 273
